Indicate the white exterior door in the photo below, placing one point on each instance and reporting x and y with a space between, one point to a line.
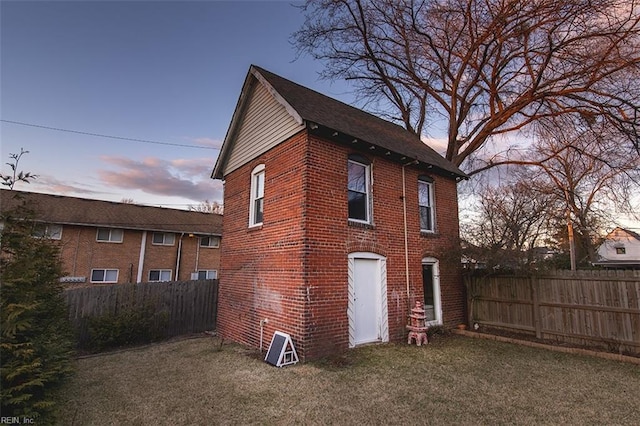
368 320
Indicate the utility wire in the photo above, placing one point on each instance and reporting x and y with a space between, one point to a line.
105 136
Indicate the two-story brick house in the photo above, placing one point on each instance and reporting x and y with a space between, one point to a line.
103 242
336 222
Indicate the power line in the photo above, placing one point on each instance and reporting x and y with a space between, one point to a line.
105 136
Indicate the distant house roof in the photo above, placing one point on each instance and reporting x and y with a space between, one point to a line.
617 231
87 212
338 121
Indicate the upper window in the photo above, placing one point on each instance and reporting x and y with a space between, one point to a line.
209 241
359 186
256 208
164 238
621 250
110 235
160 275
104 275
425 201
209 274
48 230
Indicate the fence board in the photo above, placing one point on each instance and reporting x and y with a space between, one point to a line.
184 307
595 308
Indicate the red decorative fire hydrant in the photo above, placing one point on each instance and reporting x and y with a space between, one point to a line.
417 328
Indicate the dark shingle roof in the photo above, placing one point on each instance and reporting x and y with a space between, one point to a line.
323 110
82 211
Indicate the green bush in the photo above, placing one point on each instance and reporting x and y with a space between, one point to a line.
36 340
131 326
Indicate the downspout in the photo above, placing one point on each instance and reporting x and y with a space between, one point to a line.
176 277
143 248
406 232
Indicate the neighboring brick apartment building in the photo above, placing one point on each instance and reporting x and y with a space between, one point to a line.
316 239
104 242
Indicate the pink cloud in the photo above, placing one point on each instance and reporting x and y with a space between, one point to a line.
180 178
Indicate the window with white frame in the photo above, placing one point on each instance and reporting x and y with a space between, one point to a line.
163 238
208 274
110 235
426 204
621 250
47 230
159 275
359 187
104 275
256 206
210 241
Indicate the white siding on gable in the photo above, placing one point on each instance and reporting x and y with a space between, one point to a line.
265 124
619 239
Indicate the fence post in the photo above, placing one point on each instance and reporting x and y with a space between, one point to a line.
533 283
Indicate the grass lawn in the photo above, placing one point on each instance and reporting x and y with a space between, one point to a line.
453 380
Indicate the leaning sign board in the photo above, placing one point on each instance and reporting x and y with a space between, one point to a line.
281 351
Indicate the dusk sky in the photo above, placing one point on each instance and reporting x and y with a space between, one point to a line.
168 72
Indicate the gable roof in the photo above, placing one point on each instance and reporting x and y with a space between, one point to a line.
617 230
336 120
64 210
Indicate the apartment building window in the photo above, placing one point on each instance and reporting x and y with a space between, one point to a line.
209 274
212 242
256 207
426 204
104 275
359 187
163 238
47 230
156 275
110 235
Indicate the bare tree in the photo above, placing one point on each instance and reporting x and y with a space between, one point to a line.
487 68
207 206
511 220
16 176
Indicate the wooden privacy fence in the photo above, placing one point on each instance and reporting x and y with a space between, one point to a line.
588 308
178 307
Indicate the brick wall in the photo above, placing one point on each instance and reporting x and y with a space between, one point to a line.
293 270
80 253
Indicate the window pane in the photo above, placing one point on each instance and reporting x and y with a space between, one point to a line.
165 275
202 275
425 218
260 185
154 275
357 177
259 205
158 238
169 239
204 241
116 235
424 193
111 275
357 206
103 234
54 232
97 275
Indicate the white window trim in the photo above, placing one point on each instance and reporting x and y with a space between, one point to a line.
110 240
160 271
210 237
432 198
259 169
164 238
105 275
368 193
207 271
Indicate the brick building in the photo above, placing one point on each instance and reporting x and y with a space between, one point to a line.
105 242
335 223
